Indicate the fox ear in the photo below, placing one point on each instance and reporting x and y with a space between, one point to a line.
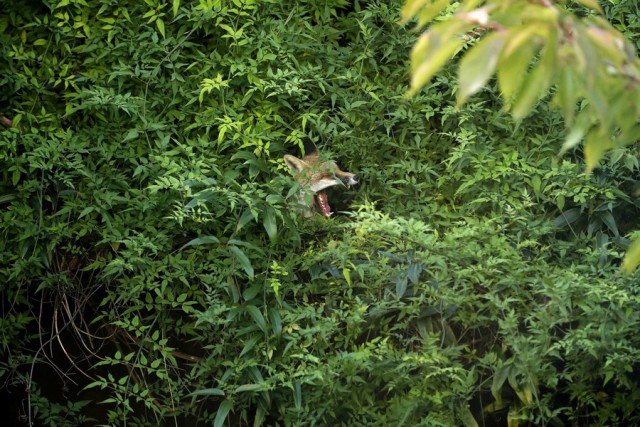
294 163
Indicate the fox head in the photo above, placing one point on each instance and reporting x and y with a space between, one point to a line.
314 176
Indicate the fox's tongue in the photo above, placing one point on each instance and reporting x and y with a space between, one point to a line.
323 203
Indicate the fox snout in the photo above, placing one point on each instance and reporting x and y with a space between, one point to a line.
349 179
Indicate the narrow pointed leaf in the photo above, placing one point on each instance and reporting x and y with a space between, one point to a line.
478 65
223 411
204 240
242 259
208 392
257 316
516 56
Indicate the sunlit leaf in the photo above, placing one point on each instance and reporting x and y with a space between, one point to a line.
433 50
514 62
536 84
567 94
595 146
632 257
467 417
160 25
411 8
428 13
577 131
478 65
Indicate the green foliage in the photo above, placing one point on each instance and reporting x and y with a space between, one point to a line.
153 263
535 49
532 47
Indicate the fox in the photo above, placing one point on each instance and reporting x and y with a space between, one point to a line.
315 175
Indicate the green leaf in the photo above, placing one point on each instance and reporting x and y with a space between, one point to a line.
269 223
86 211
610 222
411 8
467 417
478 65
517 54
244 219
251 342
434 49
250 387
567 94
413 272
577 132
276 322
176 6
632 257
346 273
297 394
498 381
401 283
160 25
257 316
567 217
537 83
251 292
242 259
596 145
428 13
204 240
223 411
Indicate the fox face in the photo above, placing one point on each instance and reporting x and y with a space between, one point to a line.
314 176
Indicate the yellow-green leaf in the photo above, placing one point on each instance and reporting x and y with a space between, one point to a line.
433 50
577 132
411 8
467 418
176 6
160 25
515 59
428 13
537 83
347 275
632 257
567 94
598 143
478 65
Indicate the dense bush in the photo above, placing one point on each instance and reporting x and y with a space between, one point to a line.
154 269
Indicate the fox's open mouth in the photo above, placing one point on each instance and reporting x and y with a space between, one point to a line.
322 202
